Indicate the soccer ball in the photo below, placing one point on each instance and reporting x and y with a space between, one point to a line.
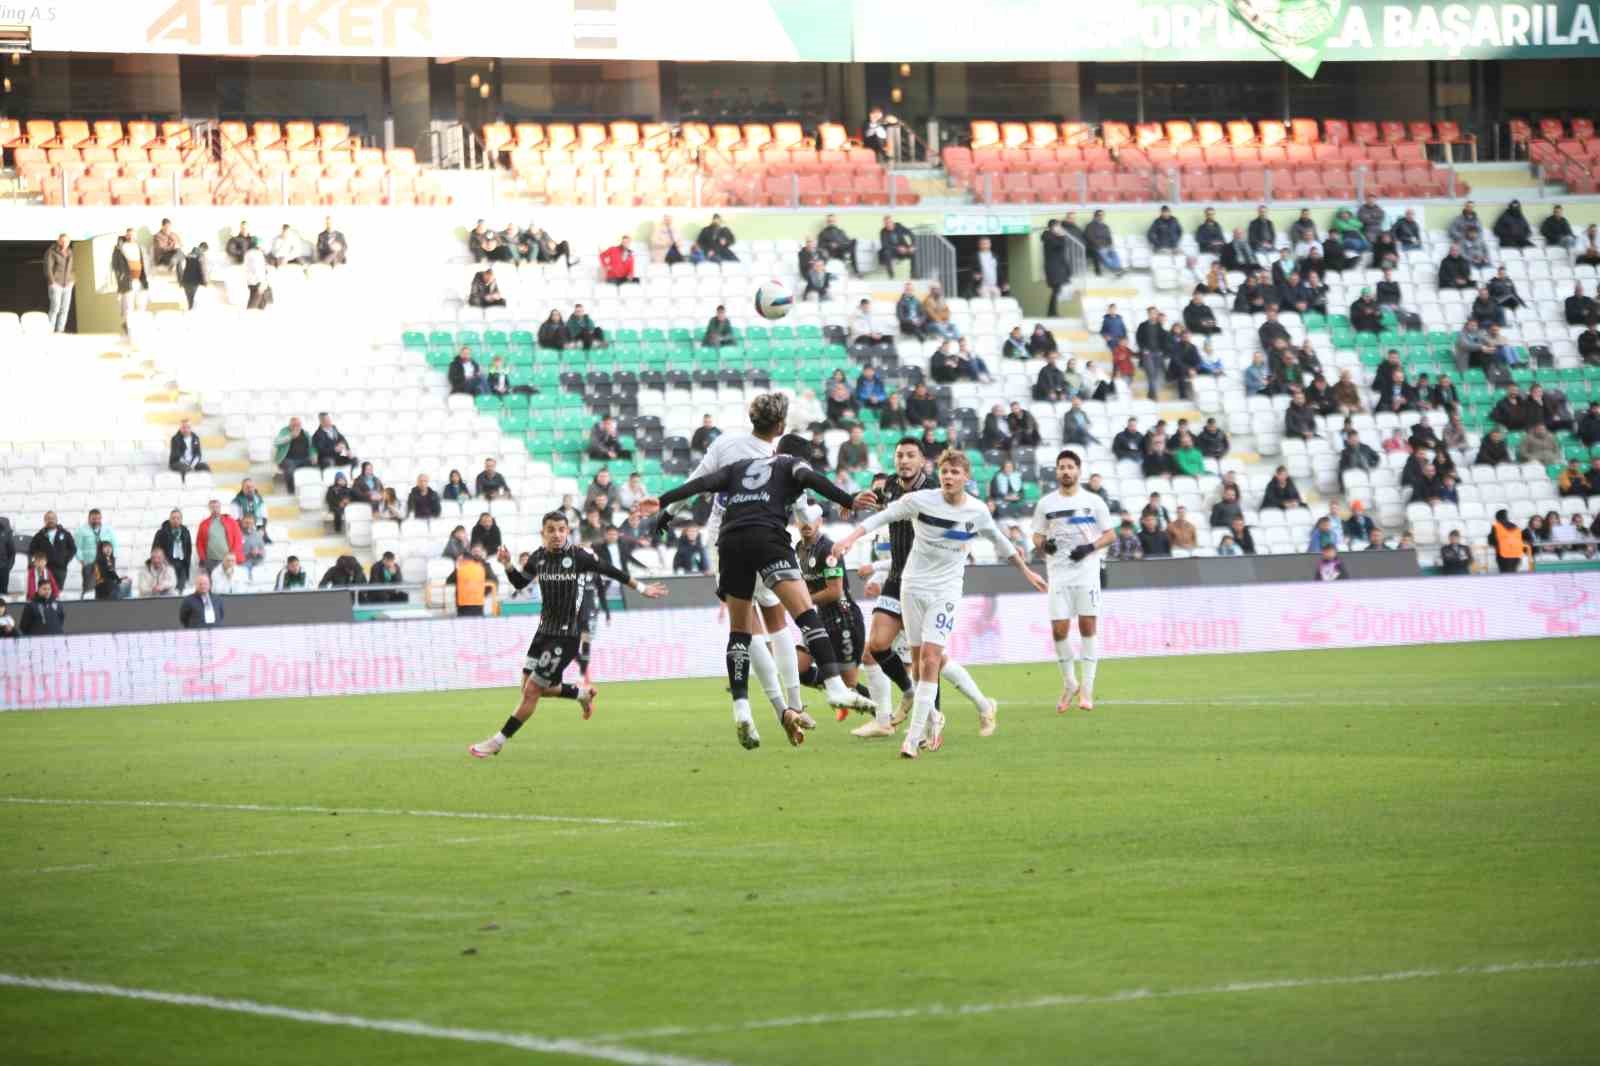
773 299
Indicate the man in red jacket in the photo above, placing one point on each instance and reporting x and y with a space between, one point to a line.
618 262
218 538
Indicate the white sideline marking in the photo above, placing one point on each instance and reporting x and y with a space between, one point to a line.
226 857
1132 995
267 808
603 1052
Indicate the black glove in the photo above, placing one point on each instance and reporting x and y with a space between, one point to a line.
1082 552
1049 547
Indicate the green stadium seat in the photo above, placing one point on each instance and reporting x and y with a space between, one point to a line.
414 340
489 404
439 359
440 339
470 337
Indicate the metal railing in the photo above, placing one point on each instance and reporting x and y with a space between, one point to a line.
934 258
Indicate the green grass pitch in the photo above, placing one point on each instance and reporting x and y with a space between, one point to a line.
1336 857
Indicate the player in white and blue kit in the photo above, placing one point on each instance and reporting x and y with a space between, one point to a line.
945 521
1072 526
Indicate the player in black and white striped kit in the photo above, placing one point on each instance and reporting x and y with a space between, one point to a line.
559 568
883 666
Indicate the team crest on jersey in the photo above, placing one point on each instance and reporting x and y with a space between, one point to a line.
566 562
832 560
970 526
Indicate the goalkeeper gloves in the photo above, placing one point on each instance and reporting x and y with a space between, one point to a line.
1082 552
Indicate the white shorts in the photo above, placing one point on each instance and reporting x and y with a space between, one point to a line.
765 597
1069 601
930 617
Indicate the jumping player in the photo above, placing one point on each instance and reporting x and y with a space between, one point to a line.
753 547
944 521
558 567
828 582
885 666
1071 525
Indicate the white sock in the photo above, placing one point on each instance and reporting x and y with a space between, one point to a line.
500 739
922 707
834 687
766 672
1069 669
882 690
741 712
957 675
1091 661
783 654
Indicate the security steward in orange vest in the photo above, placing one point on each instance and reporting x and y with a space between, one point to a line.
1506 540
475 583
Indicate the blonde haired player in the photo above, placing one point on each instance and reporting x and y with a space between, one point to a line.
945 521
1071 525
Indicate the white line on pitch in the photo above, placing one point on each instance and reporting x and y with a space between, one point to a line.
603 1052
93 867
940 1010
266 808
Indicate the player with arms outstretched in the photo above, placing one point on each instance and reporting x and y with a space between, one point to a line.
944 521
1072 525
884 666
753 548
558 567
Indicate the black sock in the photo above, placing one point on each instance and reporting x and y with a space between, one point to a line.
938 690
513 724
569 692
817 642
810 676
862 690
739 666
893 668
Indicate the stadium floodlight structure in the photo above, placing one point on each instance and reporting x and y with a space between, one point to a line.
16 40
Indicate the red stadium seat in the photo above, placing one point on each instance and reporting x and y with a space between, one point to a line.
985 134
1242 134
1179 133
1365 132
1079 135
1304 131
1335 131
1147 134
1043 135
1421 131
1013 134
789 135
1210 133
1116 134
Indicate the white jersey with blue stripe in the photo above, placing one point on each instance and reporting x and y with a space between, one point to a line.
943 534
1070 520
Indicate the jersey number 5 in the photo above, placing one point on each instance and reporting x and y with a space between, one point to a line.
757 474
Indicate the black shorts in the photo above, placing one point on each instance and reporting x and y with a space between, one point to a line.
747 555
549 657
847 631
888 598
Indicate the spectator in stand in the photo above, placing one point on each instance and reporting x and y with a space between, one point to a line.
1556 230
1492 451
1263 234
184 454
691 556
176 546
332 248
1455 272
617 262
1572 481
195 271
630 492
1299 420
1514 411
1157 461
553 332
1015 345
43 615
1024 428
1212 441
972 364
1281 491
39 575
1512 228
386 571
1199 318
482 242
719 330
132 278
1329 566
853 453
1227 509
1587 249
344 572
1113 330
421 502
922 407
869 390
457 544
1407 231
1258 379
287 248
1540 446
664 242
1181 531
716 241
1102 245
1472 348
490 483
895 242
835 243
875 133
812 271
1427 486
249 503
604 443
1005 491
1579 308
1153 542
1454 556
1356 456
893 415
1051 384
1187 457
1484 310
1272 330
291 578
497 382
937 313
864 331
99 555
1075 427
1588 426
1371 216
456 487
330 445
1126 546
1553 408
253 544
1503 291
705 436
1349 231
582 330
241 242
841 406
1057 266
217 538
1238 254
166 247
8 555
996 434
1129 444
1041 342
201 609
1474 248
367 488
1154 345
292 449
1589 345
1366 316
1467 219
908 313
1385 251
485 290
486 534
257 277
1166 232
157 577
57 546
602 495
1303 233
1208 236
